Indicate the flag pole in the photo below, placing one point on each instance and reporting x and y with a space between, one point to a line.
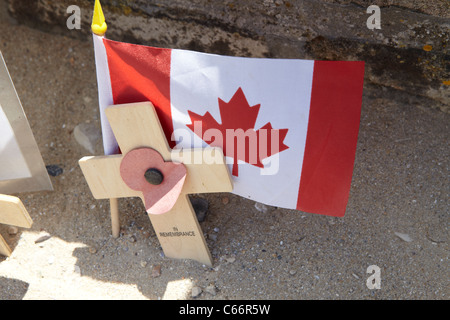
99 28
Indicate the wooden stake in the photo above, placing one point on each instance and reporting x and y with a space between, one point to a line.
13 213
115 223
5 250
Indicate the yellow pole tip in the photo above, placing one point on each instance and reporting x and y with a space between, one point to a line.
99 29
98 20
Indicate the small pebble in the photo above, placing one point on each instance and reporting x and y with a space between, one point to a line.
195 292
77 270
54 170
200 207
143 264
261 207
42 238
403 236
87 135
225 200
211 289
156 271
231 259
292 272
92 250
132 239
212 237
12 231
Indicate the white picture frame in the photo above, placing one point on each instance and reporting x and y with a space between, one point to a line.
22 168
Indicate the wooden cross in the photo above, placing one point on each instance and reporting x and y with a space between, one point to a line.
13 213
136 127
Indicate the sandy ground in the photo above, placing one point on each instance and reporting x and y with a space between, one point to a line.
400 185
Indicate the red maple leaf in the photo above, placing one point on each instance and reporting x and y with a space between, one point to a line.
236 135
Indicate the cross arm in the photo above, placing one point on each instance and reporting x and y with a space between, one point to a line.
206 170
102 174
137 125
13 212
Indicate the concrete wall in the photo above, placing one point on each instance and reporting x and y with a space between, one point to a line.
304 29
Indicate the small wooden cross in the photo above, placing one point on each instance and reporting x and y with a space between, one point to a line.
13 213
136 127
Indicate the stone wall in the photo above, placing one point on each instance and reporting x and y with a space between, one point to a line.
409 52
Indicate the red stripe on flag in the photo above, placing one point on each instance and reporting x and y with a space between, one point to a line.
140 73
331 139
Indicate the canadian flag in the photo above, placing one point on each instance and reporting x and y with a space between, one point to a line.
288 127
